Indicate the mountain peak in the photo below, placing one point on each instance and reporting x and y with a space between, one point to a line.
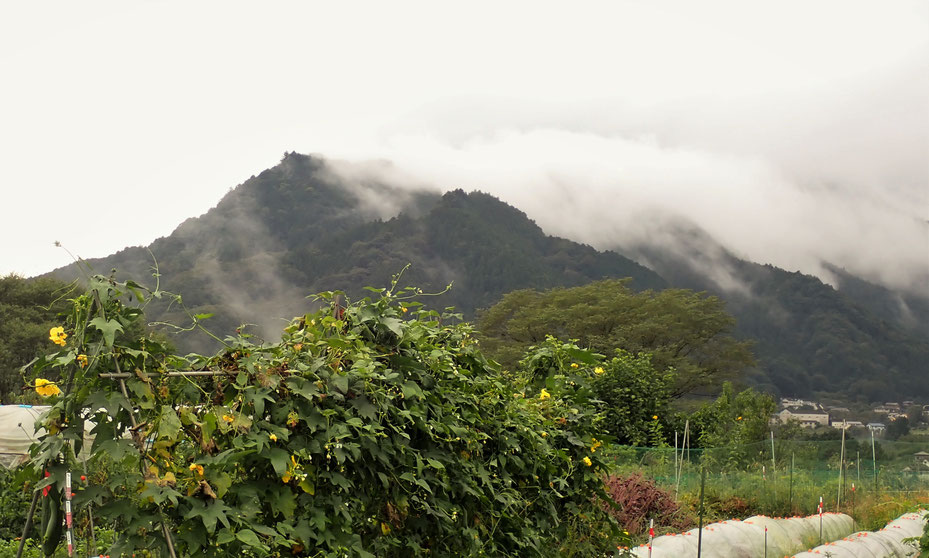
310 224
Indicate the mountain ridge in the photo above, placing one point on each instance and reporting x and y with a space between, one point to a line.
303 227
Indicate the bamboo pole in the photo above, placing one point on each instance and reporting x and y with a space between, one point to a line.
90 517
680 469
29 515
184 373
136 435
858 463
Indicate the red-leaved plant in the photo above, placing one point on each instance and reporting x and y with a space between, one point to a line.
638 500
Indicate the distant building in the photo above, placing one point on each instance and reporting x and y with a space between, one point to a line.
847 424
808 417
921 457
877 427
788 403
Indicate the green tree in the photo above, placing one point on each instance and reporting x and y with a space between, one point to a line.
679 328
637 398
28 309
734 424
897 428
634 395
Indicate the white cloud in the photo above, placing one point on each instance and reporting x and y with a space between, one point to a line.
790 130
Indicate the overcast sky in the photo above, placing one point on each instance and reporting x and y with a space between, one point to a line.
791 131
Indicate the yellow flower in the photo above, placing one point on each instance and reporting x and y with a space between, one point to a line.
597 443
403 309
598 370
228 418
46 388
544 394
57 335
294 461
196 468
740 418
272 437
573 365
544 434
286 477
385 528
82 360
654 417
587 461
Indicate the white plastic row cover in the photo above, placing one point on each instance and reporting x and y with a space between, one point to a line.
886 543
746 539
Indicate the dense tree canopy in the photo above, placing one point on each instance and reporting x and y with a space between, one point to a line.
733 423
28 309
681 329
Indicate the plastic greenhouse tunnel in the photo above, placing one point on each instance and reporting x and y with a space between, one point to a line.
761 536
885 543
750 537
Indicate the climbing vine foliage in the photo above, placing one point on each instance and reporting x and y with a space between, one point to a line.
373 428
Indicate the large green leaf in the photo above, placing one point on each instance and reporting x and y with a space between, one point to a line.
209 513
108 328
250 538
280 460
170 423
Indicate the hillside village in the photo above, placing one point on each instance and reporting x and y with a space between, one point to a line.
812 414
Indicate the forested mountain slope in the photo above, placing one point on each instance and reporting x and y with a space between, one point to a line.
856 341
300 228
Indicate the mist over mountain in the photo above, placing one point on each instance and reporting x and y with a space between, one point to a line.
308 225
859 339
300 228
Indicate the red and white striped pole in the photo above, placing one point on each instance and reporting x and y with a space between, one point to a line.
820 520
68 515
651 536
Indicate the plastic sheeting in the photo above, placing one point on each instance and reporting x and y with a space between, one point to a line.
886 543
17 432
746 539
